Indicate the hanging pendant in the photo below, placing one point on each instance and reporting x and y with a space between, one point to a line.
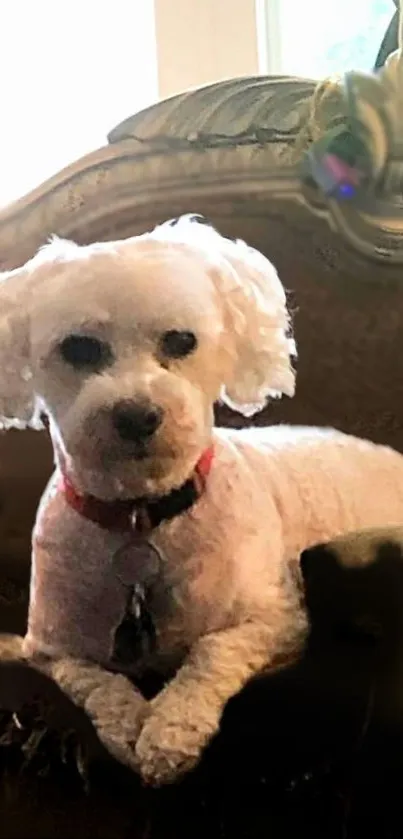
136 564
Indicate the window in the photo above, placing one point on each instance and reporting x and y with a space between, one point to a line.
315 39
70 72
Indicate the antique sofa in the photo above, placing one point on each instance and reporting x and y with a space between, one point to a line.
232 151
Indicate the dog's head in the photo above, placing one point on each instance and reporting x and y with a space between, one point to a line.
127 345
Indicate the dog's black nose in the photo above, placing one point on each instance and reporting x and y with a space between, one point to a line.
135 421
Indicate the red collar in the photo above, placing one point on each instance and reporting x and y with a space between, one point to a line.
140 515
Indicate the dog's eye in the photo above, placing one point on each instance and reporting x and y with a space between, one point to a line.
85 352
178 344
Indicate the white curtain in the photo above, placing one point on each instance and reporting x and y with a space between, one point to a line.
70 70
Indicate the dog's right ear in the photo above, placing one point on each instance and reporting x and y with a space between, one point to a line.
17 401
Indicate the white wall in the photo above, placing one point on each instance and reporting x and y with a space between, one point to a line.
201 41
73 69
70 70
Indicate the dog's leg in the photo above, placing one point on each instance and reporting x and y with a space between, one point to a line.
11 647
115 707
186 714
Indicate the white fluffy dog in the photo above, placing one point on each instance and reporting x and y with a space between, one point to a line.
125 347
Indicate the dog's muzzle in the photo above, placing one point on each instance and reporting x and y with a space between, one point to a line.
136 422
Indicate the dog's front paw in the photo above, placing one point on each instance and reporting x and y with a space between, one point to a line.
115 707
118 714
168 748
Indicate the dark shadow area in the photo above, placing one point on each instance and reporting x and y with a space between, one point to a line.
314 750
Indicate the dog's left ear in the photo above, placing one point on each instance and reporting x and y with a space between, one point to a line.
255 311
258 317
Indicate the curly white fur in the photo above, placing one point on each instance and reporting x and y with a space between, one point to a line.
222 601
256 311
